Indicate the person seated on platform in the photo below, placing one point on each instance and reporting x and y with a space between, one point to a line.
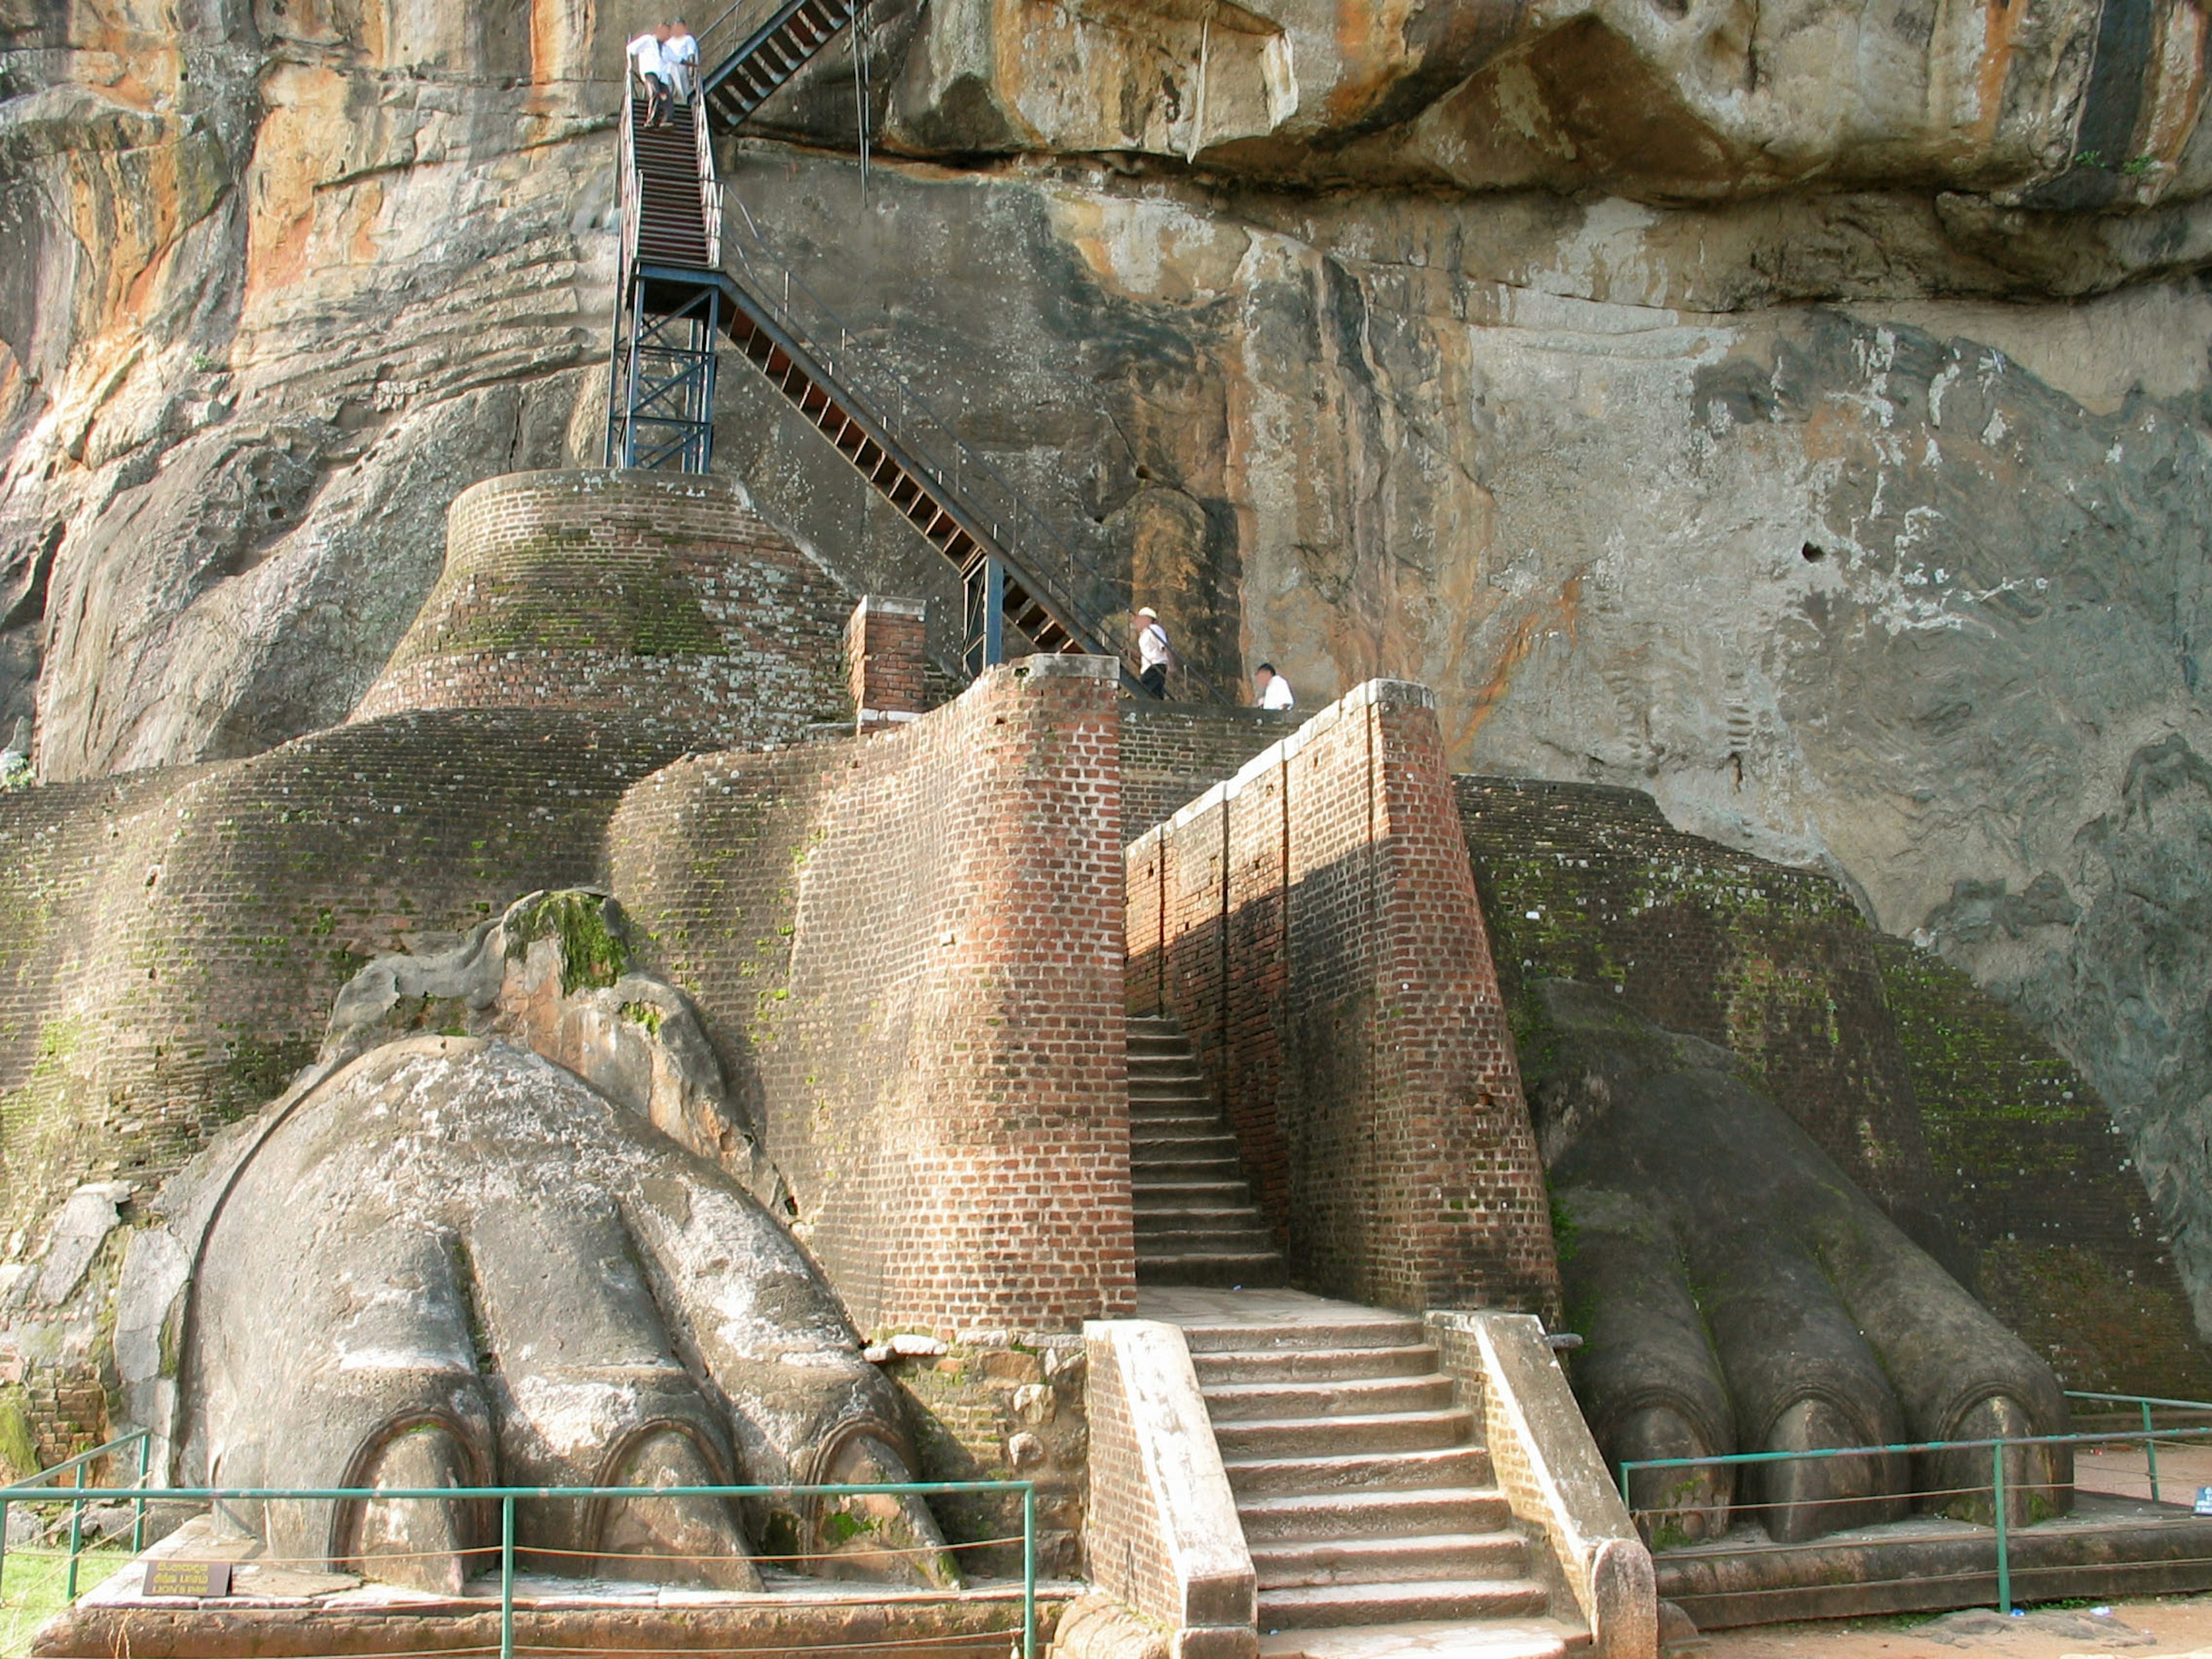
1154 655
679 54
646 57
1274 691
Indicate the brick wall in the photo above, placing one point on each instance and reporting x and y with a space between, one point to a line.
659 596
913 961
887 660
1312 924
1976 1135
1170 752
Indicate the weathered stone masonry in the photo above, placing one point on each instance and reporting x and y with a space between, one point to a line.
660 597
916 963
1312 924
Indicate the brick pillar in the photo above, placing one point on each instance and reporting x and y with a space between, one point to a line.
884 662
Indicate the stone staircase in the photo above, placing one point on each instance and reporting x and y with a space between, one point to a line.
1196 1223
1364 1489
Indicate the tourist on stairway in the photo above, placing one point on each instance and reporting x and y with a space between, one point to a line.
1274 689
680 55
1154 654
646 57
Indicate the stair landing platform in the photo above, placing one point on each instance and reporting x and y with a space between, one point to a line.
1261 1310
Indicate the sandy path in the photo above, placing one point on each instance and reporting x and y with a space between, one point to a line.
2179 1627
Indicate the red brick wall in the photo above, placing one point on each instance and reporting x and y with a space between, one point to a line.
1312 924
912 965
887 660
658 596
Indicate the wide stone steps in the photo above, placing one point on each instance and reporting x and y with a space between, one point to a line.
1365 1493
1195 1220
1442 1465
1335 1397
1303 1437
1369 1514
1287 1364
1299 1564
1316 1606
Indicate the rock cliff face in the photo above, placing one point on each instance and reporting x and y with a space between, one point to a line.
1798 411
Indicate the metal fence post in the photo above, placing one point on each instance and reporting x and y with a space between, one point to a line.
506 1577
2150 1452
138 1505
1997 1493
1029 1572
4 1551
76 1536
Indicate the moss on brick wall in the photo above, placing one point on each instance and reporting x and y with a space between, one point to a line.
2069 1250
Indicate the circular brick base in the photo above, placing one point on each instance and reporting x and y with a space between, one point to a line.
656 595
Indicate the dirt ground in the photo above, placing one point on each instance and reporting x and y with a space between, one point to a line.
2177 1627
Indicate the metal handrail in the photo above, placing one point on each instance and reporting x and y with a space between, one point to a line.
710 182
508 1495
144 1440
1997 1447
2148 1403
1018 529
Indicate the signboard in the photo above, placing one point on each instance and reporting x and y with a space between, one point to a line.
187 1578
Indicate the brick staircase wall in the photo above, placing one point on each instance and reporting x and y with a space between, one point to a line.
1313 925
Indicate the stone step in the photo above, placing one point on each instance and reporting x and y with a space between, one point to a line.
1348 1397
1176 1120
1493 1638
1318 1605
1299 1437
1145 1144
1387 1471
1379 1329
1199 1219
1256 1270
1204 1194
1373 1513
1241 1242
1289 1565
1287 1364
1215 1167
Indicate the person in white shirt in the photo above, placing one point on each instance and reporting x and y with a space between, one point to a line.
1274 691
645 58
1154 655
680 54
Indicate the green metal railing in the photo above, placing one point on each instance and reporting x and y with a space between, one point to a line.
142 1438
79 1494
1995 1447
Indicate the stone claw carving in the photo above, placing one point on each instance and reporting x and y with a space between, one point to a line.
447 1262
1737 1293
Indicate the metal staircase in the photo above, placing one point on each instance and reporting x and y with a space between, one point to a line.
674 297
770 56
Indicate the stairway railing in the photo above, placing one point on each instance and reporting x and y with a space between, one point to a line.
1037 552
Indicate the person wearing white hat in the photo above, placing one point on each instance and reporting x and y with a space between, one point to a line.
1154 655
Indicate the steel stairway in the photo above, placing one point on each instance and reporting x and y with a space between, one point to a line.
674 296
741 82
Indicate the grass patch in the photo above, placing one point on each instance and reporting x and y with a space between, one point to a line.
32 1583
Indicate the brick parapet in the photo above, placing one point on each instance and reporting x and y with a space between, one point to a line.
661 597
1312 922
887 661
